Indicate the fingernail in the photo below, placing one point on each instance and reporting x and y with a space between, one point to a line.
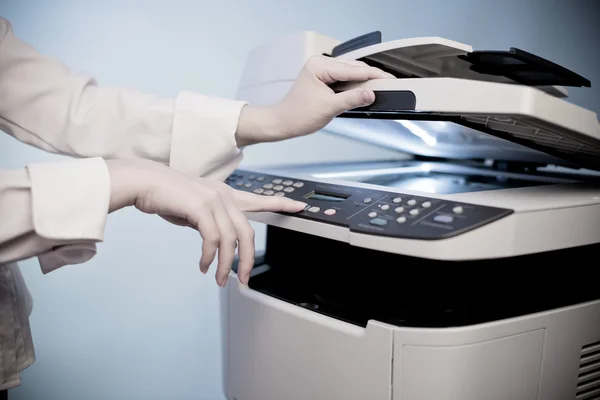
301 204
368 97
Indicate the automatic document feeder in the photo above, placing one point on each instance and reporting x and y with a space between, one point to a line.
464 272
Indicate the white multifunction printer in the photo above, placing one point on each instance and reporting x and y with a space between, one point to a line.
468 271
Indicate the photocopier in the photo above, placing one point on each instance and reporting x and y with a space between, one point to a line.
464 271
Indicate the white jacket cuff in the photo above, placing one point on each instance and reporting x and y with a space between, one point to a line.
203 140
70 202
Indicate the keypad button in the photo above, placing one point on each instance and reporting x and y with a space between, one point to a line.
260 178
298 184
411 202
414 212
426 204
399 210
239 183
457 210
288 189
268 186
252 177
277 181
368 200
372 214
397 200
248 185
385 207
331 211
269 193
401 220
446 219
379 221
279 194
287 183
314 210
278 187
259 191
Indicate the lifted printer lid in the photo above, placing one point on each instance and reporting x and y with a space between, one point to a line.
453 102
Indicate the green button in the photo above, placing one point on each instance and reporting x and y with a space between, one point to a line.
379 221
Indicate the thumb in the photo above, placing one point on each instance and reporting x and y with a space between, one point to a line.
352 98
255 203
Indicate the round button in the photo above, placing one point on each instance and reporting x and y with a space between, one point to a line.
288 189
412 202
259 191
457 210
427 204
252 177
239 183
401 220
276 181
331 211
268 186
269 193
314 210
298 184
368 200
287 183
260 178
397 200
248 185
385 207
414 212
278 187
372 214
399 210
279 194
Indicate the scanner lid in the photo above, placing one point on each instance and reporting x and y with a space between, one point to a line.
453 102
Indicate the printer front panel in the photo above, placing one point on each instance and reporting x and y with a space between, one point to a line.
372 211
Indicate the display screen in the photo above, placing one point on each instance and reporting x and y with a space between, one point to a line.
329 197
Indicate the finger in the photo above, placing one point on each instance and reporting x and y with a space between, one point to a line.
342 72
352 62
227 243
245 235
207 226
352 98
255 203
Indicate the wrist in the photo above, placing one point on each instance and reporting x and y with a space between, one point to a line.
124 184
257 125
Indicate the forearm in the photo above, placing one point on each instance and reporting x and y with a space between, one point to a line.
44 104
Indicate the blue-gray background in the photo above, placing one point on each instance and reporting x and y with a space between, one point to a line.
139 321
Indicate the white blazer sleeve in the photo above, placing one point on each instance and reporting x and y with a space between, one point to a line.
55 211
44 104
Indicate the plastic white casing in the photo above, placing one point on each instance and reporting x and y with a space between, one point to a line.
276 350
273 350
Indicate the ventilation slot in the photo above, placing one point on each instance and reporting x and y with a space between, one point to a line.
588 381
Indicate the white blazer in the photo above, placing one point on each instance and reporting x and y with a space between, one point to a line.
57 211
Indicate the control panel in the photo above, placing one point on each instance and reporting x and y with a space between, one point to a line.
369 211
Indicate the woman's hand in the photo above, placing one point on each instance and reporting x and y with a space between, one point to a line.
211 207
311 103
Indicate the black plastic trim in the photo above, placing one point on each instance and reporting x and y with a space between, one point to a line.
359 42
524 68
358 285
389 101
